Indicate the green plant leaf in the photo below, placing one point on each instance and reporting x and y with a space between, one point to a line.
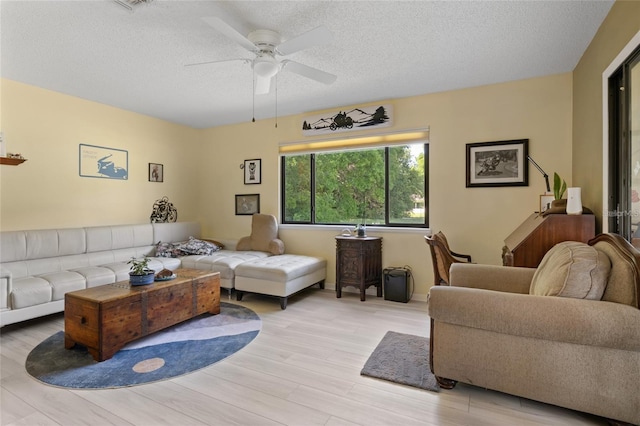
559 186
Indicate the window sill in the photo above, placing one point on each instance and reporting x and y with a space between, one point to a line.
372 229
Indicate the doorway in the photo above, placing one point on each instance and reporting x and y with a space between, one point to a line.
624 150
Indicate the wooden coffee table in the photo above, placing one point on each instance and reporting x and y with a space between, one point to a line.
105 318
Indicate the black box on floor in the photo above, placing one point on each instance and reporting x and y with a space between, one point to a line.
396 284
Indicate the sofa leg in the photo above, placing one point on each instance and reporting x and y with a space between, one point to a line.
321 285
446 383
239 295
283 303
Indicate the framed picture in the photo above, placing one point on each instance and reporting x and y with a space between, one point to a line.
247 204
252 171
501 163
156 172
103 162
545 202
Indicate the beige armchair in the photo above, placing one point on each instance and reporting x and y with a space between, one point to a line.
264 235
566 333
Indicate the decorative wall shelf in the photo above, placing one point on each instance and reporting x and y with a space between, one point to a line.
12 161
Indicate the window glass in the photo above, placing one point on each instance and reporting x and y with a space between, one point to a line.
375 186
350 187
406 185
296 189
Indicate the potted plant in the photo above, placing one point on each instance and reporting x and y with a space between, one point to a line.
140 273
559 187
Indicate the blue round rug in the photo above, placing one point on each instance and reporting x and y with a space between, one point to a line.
172 352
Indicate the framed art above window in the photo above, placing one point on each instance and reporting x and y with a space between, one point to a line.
500 163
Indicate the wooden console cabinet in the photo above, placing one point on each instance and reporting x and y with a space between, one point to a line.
105 318
359 264
527 245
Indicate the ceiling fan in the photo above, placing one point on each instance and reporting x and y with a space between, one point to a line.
267 45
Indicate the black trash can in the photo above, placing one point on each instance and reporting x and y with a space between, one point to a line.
397 284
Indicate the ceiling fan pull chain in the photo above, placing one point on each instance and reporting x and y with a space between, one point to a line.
253 94
276 101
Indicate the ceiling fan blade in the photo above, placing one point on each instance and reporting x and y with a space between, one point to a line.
316 37
246 61
263 85
309 72
230 31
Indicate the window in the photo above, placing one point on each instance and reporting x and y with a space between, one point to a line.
378 185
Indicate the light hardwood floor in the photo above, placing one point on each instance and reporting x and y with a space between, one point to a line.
302 369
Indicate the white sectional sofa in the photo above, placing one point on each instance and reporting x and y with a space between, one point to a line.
37 267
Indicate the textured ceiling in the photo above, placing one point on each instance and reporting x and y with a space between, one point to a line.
98 50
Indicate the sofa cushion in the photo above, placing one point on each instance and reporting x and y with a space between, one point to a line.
282 268
572 269
62 282
30 291
95 275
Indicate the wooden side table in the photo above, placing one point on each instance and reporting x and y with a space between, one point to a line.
358 264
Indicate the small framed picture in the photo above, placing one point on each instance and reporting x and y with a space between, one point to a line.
156 172
545 202
252 172
501 163
247 204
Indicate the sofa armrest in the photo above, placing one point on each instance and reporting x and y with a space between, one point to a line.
6 284
579 321
491 277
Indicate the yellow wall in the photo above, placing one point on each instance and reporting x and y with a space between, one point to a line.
47 192
476 220
619 27
202 171
202 167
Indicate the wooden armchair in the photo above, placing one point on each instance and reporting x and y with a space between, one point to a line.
443 257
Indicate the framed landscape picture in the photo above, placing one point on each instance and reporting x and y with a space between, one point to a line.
500 163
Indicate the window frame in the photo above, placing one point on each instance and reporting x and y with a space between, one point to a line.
387 224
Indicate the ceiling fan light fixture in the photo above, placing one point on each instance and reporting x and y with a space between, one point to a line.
131 4
266 66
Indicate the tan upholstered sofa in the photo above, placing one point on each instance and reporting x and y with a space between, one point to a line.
555 334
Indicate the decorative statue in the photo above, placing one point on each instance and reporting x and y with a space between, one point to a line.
163 211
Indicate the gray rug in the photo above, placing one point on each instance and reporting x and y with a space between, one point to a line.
402 358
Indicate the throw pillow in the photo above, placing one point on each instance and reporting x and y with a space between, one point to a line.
167 249
196 246
216 243
572 269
